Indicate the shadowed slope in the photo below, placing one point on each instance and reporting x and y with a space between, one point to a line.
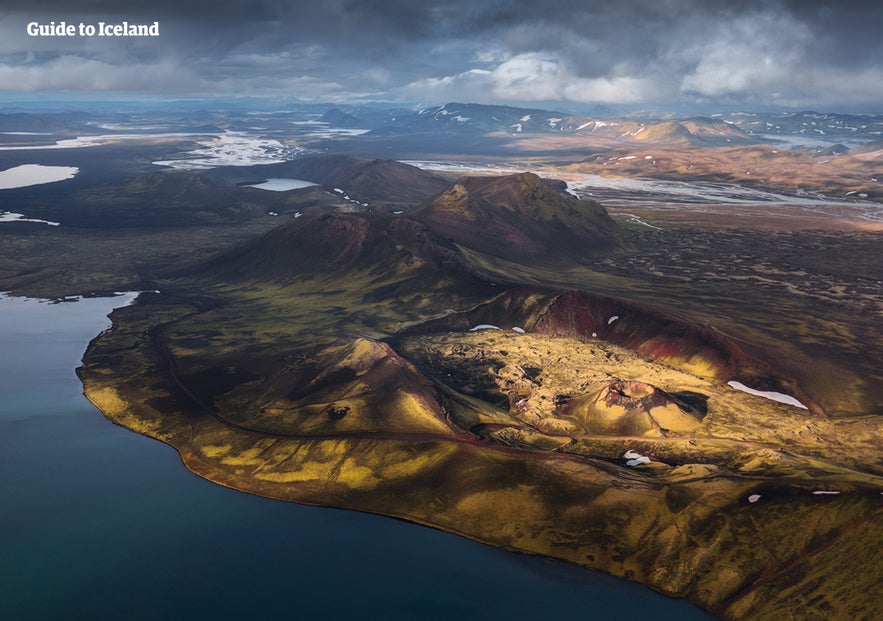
352 388
337 245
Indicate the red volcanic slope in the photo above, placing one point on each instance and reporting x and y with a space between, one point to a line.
656 334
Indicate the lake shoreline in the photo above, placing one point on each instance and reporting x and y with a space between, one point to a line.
103 520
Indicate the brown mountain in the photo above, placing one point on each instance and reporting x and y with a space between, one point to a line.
338 245
521 218
696 132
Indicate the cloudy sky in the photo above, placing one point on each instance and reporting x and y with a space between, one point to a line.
797 53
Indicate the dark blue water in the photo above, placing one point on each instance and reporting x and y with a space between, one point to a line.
99 523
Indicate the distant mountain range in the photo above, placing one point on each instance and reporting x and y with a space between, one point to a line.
454 121
829 127
465 118
732 128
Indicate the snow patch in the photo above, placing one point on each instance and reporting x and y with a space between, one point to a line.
484 326
518 330
767 394
753 498
635 459
612 319
94 141
638 220
8 216
228 149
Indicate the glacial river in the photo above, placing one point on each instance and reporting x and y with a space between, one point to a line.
100 523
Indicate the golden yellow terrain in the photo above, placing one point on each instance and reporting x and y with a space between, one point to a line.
337 361
522 441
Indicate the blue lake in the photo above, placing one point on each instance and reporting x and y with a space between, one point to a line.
100 523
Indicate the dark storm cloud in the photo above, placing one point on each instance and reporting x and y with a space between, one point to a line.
790 52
